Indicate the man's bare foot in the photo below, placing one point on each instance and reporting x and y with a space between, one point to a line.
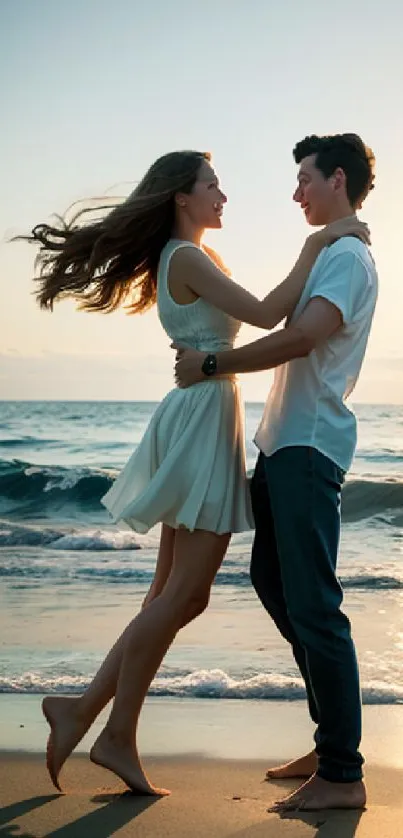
317 794
123 761
298 768
66 731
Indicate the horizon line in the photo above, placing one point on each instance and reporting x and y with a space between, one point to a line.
157 401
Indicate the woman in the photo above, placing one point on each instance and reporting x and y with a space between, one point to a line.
189 470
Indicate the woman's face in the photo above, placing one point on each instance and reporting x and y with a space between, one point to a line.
204 204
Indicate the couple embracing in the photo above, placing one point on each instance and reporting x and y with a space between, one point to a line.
188 472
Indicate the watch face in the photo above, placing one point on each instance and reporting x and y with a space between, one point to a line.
209 365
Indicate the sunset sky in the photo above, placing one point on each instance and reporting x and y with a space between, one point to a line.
92 92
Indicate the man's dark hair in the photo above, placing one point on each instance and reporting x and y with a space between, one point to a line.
344 151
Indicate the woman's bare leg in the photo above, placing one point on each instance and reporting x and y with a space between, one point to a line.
70 717
164 564
197 557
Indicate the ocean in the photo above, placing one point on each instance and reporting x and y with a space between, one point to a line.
70 579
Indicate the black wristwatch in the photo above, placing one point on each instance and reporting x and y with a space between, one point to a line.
209 365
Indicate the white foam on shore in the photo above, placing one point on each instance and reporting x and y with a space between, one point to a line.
201 684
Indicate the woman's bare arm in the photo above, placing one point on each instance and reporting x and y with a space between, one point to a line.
192 268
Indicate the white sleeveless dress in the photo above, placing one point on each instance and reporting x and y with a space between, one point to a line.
189 468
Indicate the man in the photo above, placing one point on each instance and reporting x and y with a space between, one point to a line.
307 438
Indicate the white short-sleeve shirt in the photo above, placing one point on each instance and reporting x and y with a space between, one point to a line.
306 404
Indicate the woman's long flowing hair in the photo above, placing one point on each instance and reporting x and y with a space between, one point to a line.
103 263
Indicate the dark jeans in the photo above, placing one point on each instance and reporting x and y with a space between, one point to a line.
296 504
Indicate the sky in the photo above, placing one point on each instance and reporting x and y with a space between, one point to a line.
92 92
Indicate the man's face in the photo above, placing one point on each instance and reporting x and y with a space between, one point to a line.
315 193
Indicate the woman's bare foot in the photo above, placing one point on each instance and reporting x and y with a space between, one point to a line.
123 761
298 768
66 731
317 794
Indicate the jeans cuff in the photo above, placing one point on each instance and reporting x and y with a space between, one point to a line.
337 774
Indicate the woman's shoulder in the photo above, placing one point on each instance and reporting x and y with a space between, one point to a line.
216 258
188 254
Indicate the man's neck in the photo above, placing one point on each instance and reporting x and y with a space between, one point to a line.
339 212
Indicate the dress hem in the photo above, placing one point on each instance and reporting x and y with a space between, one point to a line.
142 528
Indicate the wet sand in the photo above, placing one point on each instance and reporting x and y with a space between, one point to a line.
210 798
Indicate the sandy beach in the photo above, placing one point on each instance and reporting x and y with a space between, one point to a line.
210 755
210 799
